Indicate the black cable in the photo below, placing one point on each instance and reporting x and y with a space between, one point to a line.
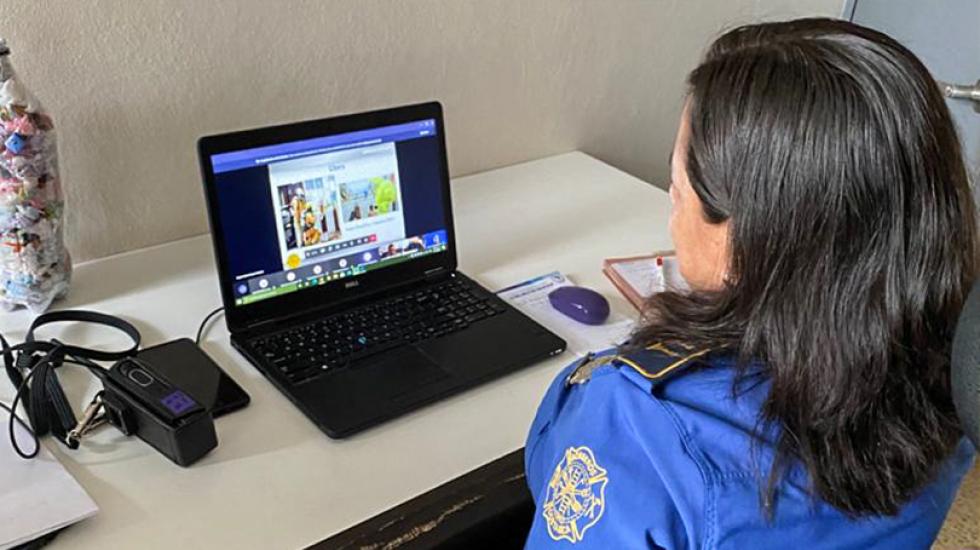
23 424
30 430
95 369
41 395
17 419
12 409
43 367
200 329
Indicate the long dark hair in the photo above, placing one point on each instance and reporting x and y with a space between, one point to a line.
829 149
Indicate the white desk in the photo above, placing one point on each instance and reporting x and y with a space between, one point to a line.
275 481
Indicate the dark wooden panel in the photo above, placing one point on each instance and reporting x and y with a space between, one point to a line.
489 507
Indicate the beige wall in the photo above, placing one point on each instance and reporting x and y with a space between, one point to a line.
133 83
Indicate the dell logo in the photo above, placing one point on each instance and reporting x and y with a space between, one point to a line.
351 284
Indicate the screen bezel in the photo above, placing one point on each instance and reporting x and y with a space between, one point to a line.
302 302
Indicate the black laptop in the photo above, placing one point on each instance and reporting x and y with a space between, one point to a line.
337 263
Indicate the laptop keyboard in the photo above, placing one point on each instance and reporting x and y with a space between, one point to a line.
309 351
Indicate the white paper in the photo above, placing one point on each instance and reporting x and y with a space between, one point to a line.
531 298
647 278
37 496
643 275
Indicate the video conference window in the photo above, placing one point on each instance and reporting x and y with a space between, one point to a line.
348 195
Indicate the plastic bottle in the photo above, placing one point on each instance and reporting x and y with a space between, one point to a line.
35 267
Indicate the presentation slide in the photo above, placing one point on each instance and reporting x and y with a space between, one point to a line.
350 196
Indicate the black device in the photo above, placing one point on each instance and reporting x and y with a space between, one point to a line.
186 366
337 263
138 396
140 401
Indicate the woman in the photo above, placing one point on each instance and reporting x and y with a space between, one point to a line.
798 396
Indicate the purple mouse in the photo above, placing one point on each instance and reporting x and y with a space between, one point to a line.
582 304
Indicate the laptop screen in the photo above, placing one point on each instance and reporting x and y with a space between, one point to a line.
303 214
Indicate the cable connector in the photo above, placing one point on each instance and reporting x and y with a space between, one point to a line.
91 419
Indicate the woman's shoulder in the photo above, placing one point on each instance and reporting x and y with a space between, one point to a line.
696 396
625 419
662 445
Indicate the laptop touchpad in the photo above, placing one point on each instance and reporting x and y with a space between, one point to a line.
400 371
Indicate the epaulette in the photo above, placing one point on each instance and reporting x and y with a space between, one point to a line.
656 363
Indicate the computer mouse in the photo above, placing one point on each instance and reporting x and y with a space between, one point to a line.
582 304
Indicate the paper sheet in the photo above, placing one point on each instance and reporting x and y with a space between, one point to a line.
642 275
647 278
531 298
37 496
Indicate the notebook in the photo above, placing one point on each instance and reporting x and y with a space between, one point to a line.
640 277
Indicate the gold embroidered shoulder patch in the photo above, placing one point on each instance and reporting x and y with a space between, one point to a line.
576 495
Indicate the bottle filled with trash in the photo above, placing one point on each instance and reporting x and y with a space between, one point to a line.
35 267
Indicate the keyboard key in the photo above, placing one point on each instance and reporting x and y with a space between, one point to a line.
475 316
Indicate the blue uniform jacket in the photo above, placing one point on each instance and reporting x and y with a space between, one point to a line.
649 450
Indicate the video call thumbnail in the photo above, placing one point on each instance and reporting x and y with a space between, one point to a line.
308 213
398 248
369 198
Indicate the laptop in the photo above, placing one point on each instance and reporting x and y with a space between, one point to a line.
337 262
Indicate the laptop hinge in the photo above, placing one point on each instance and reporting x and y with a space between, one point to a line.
434 272
253 327
260 326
